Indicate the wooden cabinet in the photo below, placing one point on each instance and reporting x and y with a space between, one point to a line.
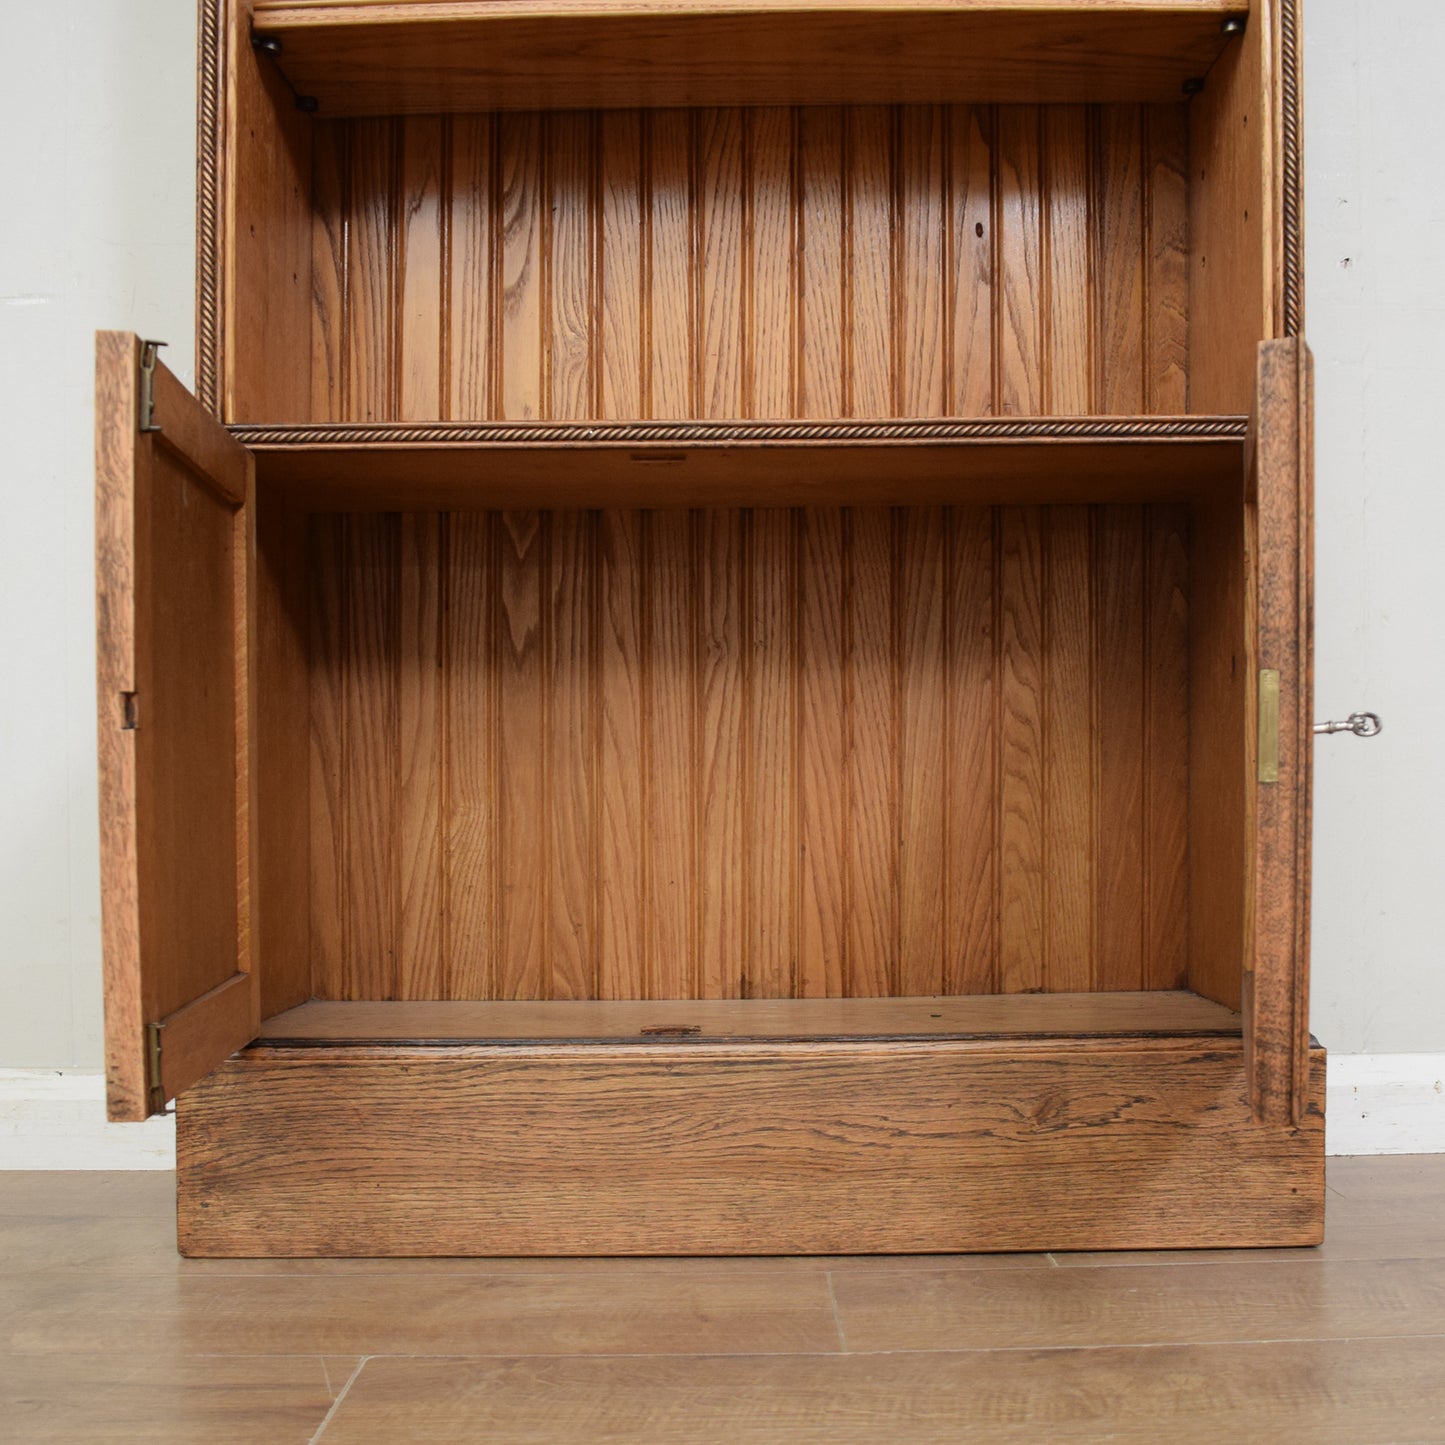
721 663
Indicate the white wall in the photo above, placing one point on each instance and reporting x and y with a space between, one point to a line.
97 229
97 186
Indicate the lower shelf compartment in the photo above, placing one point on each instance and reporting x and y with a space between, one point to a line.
974 1016
764 1146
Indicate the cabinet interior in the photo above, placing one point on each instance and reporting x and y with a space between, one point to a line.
566 730
748 753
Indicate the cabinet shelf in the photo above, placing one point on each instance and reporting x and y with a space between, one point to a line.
927 462
978 1016
420 57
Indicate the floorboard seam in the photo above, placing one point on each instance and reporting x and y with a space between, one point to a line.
336 1403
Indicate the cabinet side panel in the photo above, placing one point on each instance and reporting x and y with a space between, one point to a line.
1219 818
1234 291
280 756
263 258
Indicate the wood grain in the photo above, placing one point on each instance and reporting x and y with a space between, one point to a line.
819 262
718 1148
538 54
1336 1392
1235 288
979 1016
282 753
770 753
263 186
1276 965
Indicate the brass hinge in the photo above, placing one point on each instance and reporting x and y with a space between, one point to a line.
1268 725
148 359
153 1057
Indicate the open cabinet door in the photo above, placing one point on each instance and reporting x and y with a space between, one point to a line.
1276 965
174 516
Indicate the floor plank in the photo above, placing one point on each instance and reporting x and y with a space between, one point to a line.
1350 1392
148 1397
1161 1304
388 1314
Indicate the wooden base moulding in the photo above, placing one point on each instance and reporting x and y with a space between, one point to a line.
768 1148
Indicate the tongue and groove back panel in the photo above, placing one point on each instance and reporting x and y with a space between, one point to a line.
818 262
771 753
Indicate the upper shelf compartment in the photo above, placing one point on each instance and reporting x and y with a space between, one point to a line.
360 57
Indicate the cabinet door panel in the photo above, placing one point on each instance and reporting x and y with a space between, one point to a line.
1276 977
173 605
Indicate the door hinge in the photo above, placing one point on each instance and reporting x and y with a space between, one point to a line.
153 1057
148 358
1268 725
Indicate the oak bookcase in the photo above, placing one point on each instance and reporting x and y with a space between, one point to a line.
721 660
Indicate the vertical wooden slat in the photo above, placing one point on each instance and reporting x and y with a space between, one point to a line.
770 259
668 773
1119 291
571 749
1068 337
520 295
369 965
419 319
919 364
1277 939
868 269
1068 740
720 261
1119 741
1167 262
1020 720
1017 295
472 260
871 824
820 806
1166 748
621 936
570 288
971 270
620 191
522 729
922 859
421 765
819 239
470 707
772 595
329 879
721 723
667 264
971 745
330 181
371 299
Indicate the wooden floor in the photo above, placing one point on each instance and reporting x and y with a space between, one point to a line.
105 1335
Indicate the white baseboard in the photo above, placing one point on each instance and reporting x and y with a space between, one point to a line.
51 1119
1385 1104
55 1119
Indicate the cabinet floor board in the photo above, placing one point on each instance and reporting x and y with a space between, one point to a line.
979 1015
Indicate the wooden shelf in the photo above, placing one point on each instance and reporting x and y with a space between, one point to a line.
929 462
980 1016
359 58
